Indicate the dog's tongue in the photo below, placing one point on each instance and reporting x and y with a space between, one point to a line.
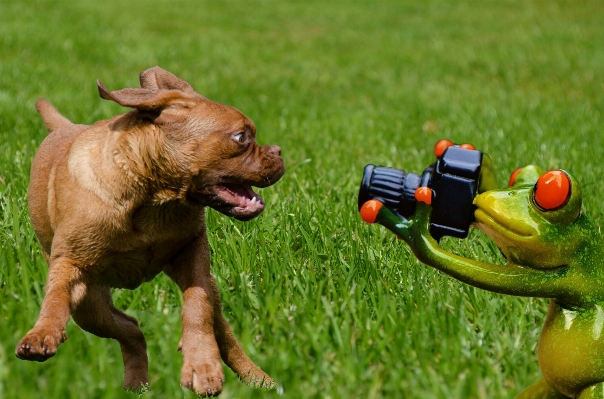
242 197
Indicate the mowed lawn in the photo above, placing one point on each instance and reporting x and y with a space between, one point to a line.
329 306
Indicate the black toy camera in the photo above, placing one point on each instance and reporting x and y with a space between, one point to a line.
453 179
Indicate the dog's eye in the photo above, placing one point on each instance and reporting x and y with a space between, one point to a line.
239 137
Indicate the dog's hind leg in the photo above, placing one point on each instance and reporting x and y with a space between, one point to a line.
97 315
231 351
65 282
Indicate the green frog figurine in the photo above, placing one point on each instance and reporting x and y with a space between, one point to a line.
553 250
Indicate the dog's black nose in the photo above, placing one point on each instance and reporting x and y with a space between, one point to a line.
275 149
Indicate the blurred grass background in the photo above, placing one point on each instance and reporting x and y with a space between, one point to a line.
328 306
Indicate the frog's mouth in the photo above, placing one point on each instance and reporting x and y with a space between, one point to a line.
496 220
514 230
501 226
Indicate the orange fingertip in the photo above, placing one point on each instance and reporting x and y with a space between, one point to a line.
441 146
370 210
467 146
424 194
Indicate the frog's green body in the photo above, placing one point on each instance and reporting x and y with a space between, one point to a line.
556 254
571 348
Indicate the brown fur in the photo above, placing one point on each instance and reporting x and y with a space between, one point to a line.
115 203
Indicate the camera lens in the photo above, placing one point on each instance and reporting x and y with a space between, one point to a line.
453 179
393 187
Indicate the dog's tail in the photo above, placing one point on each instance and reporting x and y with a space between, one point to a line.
53 120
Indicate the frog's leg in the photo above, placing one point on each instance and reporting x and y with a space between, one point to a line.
510 279
595 391
540 390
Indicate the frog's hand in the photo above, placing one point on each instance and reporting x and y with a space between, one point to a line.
487 181
508 279
373 211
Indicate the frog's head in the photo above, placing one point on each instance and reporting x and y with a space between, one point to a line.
537 221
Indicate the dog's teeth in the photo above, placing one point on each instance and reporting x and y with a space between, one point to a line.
254 200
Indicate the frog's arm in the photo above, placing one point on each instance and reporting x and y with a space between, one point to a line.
487 181
508 279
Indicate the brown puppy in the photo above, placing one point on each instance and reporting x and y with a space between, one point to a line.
116 203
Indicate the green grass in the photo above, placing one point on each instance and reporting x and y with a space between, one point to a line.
327 305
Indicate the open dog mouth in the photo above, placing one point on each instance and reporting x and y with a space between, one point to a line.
242 201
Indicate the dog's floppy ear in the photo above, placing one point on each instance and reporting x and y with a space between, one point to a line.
141 99
158 78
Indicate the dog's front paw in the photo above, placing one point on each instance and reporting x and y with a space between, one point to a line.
203 378
40 344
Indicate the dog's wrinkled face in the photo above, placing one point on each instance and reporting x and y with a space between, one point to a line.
231 162
210 149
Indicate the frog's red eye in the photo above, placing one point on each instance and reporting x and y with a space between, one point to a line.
513 177
467 146
552 190
441 146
